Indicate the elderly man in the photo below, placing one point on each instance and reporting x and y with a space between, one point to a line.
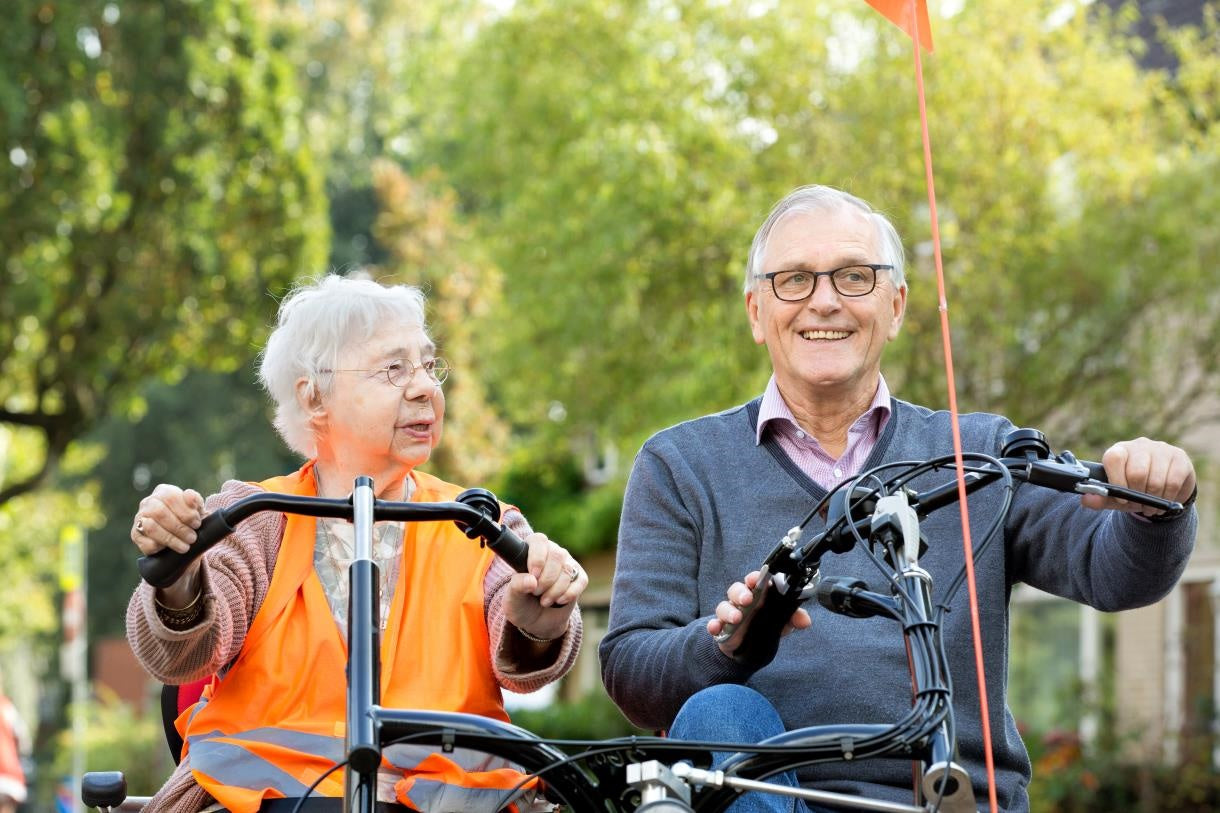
707 500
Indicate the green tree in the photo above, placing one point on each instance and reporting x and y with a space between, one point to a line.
590 143
31 526
157 185
428 246
359 64
617 155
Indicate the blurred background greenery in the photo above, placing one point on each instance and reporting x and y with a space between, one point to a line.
575 183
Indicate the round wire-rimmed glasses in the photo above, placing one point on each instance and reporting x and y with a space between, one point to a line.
399 372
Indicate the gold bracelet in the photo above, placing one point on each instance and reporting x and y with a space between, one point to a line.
527 636
180 618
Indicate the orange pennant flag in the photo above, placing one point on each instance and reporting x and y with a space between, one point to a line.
899 13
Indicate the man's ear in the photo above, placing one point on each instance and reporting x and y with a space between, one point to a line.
756 328
900 310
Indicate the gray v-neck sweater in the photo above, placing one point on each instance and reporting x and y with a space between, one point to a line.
705 505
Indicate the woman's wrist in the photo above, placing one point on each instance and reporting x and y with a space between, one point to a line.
540 639
180 617
183 592
180 606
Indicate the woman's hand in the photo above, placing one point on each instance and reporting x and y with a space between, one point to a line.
541 601
167 518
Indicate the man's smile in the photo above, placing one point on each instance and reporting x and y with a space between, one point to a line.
824 335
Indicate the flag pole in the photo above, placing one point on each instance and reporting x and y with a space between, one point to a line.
913 15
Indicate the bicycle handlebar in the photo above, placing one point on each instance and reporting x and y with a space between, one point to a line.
475 511
789 576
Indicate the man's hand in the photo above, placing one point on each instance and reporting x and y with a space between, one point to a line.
1145 465
740 595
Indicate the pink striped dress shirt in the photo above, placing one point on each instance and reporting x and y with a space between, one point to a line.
804 450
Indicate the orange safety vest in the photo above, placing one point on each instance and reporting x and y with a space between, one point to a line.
275 721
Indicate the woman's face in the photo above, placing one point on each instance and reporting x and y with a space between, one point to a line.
373 425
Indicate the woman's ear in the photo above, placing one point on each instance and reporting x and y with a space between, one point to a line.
309 398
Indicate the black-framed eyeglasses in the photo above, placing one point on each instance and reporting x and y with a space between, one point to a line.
850 280
399 372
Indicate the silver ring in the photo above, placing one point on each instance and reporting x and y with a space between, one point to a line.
139 525
573 571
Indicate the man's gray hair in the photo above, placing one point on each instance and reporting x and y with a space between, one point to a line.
816 198
317 321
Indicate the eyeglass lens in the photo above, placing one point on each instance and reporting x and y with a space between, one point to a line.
401 371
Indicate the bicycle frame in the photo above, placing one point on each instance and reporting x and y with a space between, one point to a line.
371 727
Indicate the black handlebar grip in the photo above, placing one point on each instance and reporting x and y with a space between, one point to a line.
761 640
1096 470
503 542
103 789
511 548
163 568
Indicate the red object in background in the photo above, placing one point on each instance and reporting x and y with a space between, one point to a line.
188 693
899 13
174 701
12 777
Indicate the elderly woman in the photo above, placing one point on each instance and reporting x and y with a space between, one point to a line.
357 387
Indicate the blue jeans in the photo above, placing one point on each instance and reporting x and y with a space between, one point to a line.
732 713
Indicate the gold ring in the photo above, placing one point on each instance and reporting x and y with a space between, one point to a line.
139 525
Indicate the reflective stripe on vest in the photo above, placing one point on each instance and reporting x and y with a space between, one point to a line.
428 789
275 721
411 757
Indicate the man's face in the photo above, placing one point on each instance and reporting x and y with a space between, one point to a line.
827 346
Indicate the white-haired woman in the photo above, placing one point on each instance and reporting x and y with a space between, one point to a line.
357 388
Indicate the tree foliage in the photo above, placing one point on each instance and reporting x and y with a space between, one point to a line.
31 526
428 246
157 186
618 155
118 738
357 63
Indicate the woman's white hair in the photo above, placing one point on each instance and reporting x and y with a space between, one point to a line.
816 198
317 320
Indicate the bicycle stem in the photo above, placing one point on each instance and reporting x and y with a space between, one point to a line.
364 659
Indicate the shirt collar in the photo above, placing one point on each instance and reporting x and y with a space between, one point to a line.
775 408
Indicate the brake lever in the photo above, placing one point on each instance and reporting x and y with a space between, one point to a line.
1066 473
1105 489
